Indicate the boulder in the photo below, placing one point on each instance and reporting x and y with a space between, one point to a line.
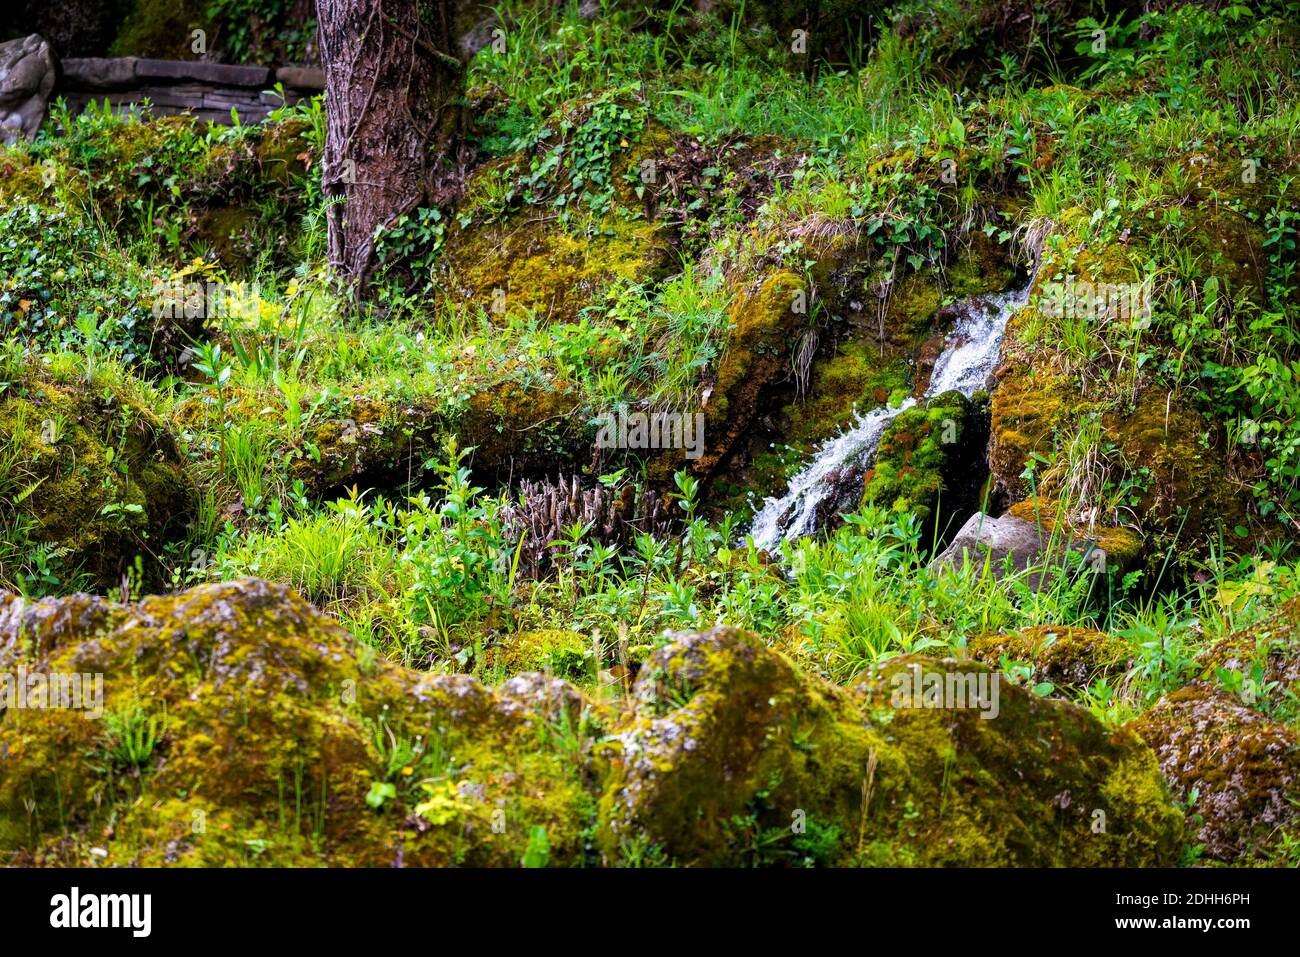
1242 767
237 725
1035 543
995 539
27 74
730 755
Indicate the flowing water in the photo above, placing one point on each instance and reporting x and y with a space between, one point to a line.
967 361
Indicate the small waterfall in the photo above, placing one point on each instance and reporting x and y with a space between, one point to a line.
967 361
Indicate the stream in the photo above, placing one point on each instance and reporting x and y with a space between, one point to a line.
968 359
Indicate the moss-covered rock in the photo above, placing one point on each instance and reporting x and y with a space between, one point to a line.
1169 454
1113 549
509 252
1243 768
732 755
930 456
271 737
763 322
91 470
1068 657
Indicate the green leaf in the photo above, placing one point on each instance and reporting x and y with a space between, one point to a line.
380 791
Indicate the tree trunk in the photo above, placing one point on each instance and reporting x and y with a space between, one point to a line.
392 121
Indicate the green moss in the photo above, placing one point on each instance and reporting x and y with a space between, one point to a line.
555 651
763 322
913 454
272 732
524 260
855 379
161 29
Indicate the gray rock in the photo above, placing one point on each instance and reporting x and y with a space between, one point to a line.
301 77
996 538
224 74
27 74
98 73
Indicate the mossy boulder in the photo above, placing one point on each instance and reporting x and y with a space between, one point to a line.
1113 549
1068 657
273 738
1243 767
732 755
931 455
91 472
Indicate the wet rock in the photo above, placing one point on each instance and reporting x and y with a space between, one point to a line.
27 75
1243 767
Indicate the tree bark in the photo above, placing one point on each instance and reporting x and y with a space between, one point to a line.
392 119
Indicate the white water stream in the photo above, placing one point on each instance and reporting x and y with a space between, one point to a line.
969 357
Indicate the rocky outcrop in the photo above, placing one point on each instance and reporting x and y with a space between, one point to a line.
27 75
1268 652
235 724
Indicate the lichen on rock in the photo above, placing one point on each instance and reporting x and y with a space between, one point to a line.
1242 768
